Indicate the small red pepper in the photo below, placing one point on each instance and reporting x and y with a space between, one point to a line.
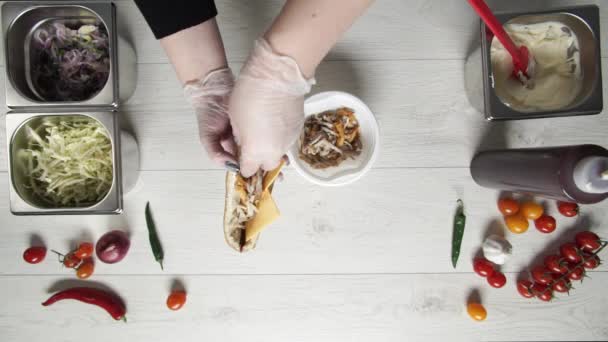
106 300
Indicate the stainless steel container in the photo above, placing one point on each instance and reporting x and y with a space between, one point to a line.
584 21
23 200
28 108
21 19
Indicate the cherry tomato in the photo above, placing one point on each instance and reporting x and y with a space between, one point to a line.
542 292
575 272
545 224
562 285
497 279
85 250
71 261
483 267
477 311
570 252
85 270
541 275
587 241
590 261
567 209
532 210
176 300
524 287
34 255
517 223
556 264
508 206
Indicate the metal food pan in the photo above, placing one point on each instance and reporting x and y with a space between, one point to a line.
21 19
584 21
22 199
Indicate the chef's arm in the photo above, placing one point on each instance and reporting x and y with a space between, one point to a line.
195 51
188 33
307 29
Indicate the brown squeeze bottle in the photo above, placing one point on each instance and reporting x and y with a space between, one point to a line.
568 173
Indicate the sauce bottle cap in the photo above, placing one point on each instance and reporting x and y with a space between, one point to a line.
591 175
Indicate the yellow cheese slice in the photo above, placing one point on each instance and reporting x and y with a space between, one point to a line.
271 176
267 213
267 209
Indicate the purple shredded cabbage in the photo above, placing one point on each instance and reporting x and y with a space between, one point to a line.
68 65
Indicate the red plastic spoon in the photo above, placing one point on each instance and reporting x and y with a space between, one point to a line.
523 61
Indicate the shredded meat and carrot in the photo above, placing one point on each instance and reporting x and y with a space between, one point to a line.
329 138
249 191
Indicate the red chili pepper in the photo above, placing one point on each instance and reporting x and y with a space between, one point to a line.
106 300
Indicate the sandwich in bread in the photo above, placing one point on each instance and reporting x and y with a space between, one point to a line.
249 207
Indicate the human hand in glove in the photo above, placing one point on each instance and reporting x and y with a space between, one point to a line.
267 108
209 97
267 105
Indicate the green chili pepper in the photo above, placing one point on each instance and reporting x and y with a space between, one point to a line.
157 248
459 222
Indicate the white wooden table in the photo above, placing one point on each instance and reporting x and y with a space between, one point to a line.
367 262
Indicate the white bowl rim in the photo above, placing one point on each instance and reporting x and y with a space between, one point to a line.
351 177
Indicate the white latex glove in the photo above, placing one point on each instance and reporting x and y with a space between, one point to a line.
267 108
209 97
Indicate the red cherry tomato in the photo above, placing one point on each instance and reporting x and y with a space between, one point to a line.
570 252
483 267
590 261
575 272
508 206
562 285
176 300
497 279
545 224
541 275
524 287
85 250
85 270
587 241
34 255
567 209
556 264
71 261
542 292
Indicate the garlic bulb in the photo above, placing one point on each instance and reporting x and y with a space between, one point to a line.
496 249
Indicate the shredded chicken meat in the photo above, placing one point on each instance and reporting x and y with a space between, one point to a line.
329 138
248 191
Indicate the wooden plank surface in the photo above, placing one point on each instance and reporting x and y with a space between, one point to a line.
391 29
392 221
412 307
424 115
368 262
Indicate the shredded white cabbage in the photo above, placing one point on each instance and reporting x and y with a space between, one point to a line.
70 162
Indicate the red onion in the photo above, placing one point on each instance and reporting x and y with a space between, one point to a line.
68 65
112 246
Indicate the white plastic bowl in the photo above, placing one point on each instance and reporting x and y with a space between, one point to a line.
349 170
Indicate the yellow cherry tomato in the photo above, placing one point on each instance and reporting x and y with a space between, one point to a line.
477 311
532 210
517 223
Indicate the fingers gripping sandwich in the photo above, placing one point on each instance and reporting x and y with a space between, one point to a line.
249 207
